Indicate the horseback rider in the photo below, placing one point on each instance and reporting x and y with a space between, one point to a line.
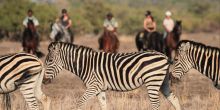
109 41
168 23
35 22
149 23
110 24
30 17
66 23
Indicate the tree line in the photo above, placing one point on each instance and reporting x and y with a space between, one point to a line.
88 15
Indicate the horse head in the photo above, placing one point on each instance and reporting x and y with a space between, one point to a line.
177 30
173 38
56 31
178 27
30 26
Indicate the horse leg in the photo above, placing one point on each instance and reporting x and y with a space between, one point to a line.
34 51
111 45
100 41
115 44
25 49
106 44
107 47
167 51
28 50
35 46
71 36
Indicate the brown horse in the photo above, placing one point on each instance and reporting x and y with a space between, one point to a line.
108 42
173 38
30 38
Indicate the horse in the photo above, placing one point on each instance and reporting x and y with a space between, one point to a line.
30 38
173 38
59 33
150 40
145 40
108 42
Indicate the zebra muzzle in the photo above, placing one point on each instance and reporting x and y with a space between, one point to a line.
47 81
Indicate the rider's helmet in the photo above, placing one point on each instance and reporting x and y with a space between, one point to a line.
168 13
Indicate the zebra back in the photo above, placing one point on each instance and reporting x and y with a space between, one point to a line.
119 71
13 66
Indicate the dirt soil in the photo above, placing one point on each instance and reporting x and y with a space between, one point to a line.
195 91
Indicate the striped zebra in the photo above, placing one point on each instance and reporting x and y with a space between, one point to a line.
102 71
24 72
203 58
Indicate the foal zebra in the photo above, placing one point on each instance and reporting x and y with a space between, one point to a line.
203 58
102 71
24 72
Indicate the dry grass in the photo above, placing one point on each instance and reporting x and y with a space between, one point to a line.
195 91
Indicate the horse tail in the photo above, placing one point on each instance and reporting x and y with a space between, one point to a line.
7 101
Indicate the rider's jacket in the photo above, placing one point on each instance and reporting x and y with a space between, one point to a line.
110 24
64 22
25 21
168 24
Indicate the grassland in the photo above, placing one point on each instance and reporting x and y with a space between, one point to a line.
195 91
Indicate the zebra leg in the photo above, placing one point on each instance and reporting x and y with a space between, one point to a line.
27 89
90 92
154 98
174 100
45 100
102 100
165 89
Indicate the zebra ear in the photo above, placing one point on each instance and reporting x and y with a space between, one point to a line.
186 46
57 46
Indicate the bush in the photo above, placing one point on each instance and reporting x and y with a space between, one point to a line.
88 16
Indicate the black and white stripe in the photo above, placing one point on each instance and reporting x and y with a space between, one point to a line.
203 58
24 72
102 71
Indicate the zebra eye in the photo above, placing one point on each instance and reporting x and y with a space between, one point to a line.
50 60
175 59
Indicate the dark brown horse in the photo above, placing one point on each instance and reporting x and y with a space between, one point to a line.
173 38
30 38
150 40
145 40
108 42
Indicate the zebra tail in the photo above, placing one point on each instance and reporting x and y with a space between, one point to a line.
7 101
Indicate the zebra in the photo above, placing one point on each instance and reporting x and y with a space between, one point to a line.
205 59
102 71
24 72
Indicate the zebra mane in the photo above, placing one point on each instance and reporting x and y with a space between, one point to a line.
7 54
63 44
71 45
197 44
10 54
